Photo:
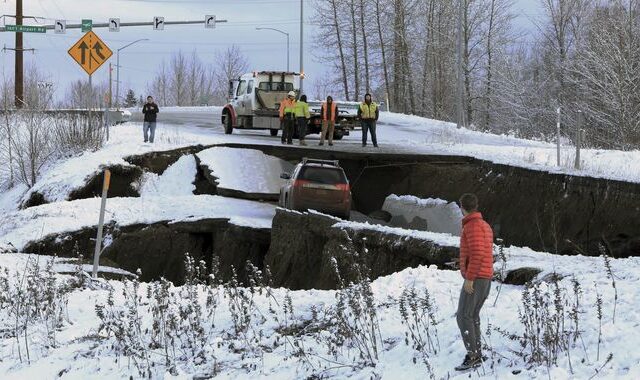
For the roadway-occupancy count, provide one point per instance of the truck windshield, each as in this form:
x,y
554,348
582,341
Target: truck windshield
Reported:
x,y
276,86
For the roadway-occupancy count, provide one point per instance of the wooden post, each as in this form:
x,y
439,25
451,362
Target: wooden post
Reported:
x,y
103,205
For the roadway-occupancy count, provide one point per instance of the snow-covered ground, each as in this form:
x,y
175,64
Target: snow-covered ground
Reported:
x,y
20,227
418,134
434,215
246,170
177,180
82,351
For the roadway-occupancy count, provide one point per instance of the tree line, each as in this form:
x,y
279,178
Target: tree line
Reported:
x,y
185,80
582,56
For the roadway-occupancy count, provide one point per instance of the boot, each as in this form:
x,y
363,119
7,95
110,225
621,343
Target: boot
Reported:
x,y
469,363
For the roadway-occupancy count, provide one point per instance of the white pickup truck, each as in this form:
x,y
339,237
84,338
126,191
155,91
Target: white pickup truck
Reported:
x,y
254,103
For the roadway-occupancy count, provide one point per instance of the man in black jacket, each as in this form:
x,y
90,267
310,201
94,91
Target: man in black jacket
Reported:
x,y
150,111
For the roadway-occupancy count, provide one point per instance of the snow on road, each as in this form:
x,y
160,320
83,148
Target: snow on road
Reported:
x,y
177,180
20,227
406,133
246,170
397,133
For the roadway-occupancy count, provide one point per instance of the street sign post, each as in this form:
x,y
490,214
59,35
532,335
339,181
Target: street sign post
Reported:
x,y
90,52
210,21
103,204
60,27
158,23
114,24
25,29
87,25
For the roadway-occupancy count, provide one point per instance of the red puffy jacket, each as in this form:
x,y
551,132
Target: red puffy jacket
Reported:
x,y
476,248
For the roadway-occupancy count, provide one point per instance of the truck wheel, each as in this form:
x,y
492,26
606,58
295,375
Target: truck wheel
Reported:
x,y
274,132
228,124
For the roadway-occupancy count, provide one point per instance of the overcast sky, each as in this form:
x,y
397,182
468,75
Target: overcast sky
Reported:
x,y
265,49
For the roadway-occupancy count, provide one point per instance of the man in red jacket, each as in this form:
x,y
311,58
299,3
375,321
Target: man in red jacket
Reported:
x,y
476,266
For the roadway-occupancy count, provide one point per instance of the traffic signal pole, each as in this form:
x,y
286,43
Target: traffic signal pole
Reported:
x,y
19,48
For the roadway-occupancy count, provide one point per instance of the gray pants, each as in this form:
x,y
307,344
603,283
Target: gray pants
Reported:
x,y
149,126
468,315
369,125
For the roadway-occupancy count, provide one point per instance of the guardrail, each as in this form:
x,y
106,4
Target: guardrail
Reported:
x,y
114,117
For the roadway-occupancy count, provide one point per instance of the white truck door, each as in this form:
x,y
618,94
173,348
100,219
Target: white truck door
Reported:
x,y
247,97
240,101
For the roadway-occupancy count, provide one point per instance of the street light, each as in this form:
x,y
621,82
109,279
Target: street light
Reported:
x,y
283,32
301,44
118,70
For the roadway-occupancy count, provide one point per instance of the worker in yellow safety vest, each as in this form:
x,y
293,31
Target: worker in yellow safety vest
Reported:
x,y
288,117
329,112
302,115
368,114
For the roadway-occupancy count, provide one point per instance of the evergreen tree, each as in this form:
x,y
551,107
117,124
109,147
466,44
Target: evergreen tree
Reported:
x,y
130,100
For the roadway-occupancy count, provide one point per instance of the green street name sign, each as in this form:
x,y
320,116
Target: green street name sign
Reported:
x,y
25,29
87,25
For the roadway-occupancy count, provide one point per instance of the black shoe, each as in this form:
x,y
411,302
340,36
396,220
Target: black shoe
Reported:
x,y
375,145
321,144
283,142
289,142
469,363
363,145
330,144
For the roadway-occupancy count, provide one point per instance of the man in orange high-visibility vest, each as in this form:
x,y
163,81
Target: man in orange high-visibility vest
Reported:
x,y
329,112
288,117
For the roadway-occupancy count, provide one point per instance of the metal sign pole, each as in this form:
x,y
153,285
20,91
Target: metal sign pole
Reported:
x,y
103,205
90,100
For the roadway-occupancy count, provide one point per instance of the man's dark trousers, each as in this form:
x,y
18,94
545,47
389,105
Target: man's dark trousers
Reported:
x,y
468,315
369,125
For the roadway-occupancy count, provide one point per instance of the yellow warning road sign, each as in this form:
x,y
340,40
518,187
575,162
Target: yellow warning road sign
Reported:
x,y
90,52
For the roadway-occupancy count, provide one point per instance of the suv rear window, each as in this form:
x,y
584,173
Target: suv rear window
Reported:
x,y
328,176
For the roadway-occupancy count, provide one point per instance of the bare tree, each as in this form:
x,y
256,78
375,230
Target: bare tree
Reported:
x,y
383,52
606,74
159,87
6,133
229,65
364,10
354,48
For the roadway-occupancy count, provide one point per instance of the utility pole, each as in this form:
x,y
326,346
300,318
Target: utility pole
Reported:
x,y
460,86
301,45
110,101
19,64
